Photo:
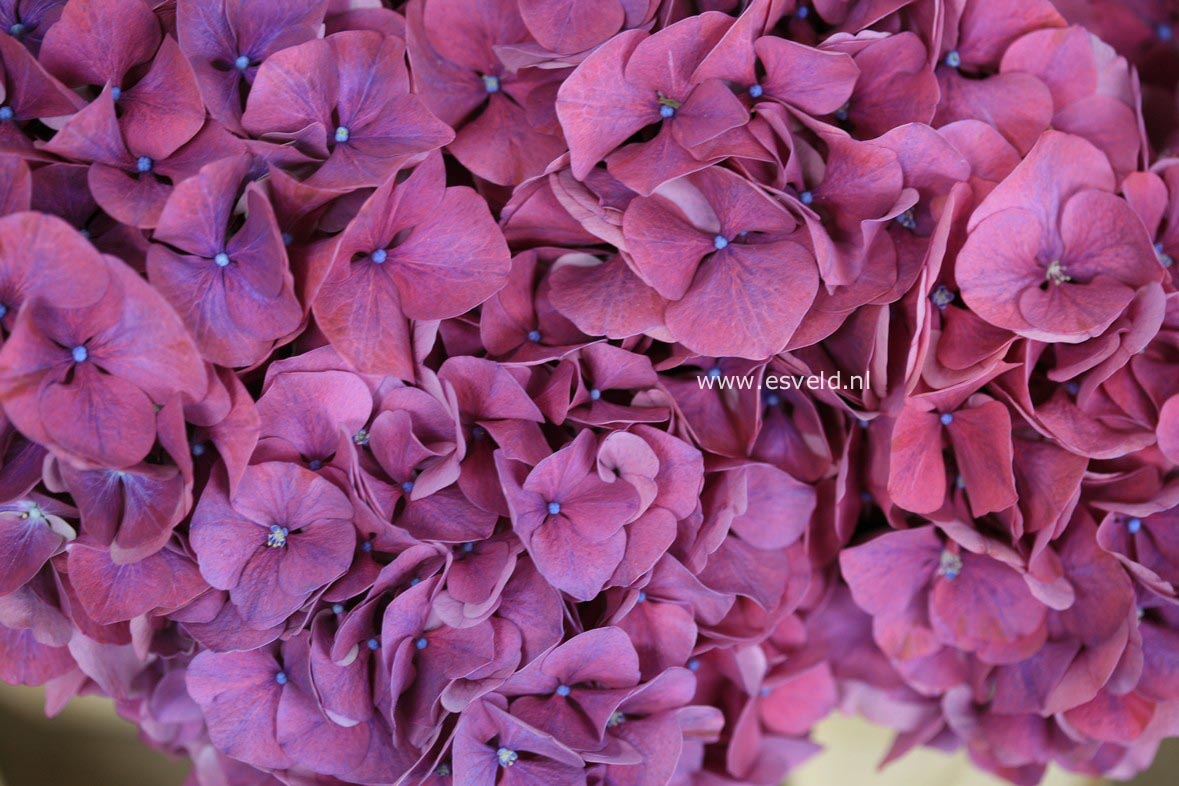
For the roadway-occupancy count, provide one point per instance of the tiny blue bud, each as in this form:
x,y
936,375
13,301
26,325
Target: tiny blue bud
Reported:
x,y
407,487
84,233
946,418
960,482
666,111
953,59
287,238
534,335
773,399
281,678
478,432
1134,525
806,197
116,93
379,256
222,259
693,664
506,757
554,508
595,394
1073,388
468,547
764,691
942,296
16,29
714,372
341,134
720,242
277,537
144,164
198,449
563,690
241,63
803,12
864,423
414,581
337,608
755,91
1164,31
79,354
373,644
6,113
366,547
865,496
491,83
314,464
3,310
642,598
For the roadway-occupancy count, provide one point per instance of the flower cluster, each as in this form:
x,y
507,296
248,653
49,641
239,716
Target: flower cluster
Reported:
x,y
351,419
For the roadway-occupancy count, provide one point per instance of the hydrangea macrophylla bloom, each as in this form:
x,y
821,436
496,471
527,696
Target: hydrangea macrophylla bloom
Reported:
x,y
28,20
119,44
506,128
87,377
130,176
225,44
729,261
232,287
1053,254
285,535
981,443
344,102
493,746
637,80
131,511
27,93
416,250
31,531
571,521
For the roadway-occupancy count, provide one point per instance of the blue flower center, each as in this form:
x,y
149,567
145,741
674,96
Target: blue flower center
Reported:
x,y
1073,388
16,29
666,111
949,565
277,538
1164,31
595,394
763,691
773,399
843,113
554,508
198,449
116,93
1134,526
341,134
942,296
144,164
468,547
281,678
563,690
6,113
3,310
803,12
478,433
414,581
714,372
534,335
907,220
366,547
79,354
314,464
642,598
1163,256
222,259
373,644
337,608
491,83
407,486
720,242
506,757
361,437
953,59
755,91
806,197
241,63
946,418
379,256
287,238
616,719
